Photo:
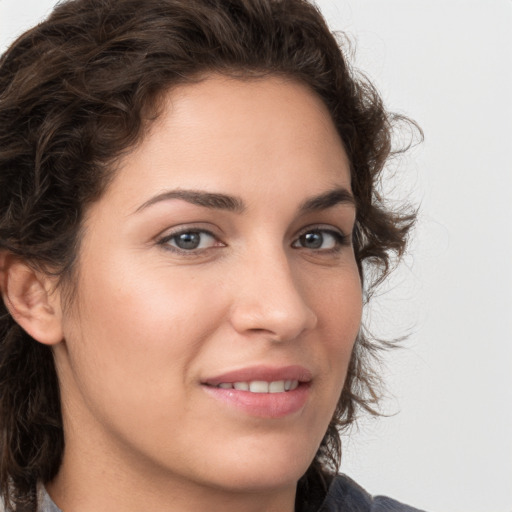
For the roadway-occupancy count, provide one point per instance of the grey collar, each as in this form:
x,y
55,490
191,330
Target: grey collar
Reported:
x,y
44,502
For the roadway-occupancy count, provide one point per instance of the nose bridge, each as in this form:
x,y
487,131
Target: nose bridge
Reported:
x,y
269,297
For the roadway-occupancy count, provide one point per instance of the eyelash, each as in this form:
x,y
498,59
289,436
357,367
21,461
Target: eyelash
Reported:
x,y
340,240
164,241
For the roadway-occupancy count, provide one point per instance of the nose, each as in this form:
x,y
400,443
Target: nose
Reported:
x,y
269,300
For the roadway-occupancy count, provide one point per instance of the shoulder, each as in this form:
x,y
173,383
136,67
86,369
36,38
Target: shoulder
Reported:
x,y
345,495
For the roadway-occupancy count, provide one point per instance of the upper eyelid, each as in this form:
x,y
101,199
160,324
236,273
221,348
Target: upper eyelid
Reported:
x,y
199,227
170,236
321,227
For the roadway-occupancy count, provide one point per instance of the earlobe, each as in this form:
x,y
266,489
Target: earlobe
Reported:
x,y
29,296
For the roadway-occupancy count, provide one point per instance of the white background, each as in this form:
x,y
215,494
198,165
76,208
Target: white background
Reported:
x,y
448,65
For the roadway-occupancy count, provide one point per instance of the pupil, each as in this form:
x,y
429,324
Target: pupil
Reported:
x,y
312,240
188,240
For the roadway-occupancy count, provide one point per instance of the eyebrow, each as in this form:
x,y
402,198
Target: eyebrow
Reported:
x,y
206,199
234,204
328,200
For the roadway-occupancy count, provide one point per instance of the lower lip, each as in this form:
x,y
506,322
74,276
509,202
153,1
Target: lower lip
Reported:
x,y
262,405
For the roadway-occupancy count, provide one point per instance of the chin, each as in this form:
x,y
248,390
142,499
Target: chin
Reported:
x,y
260,481
263,470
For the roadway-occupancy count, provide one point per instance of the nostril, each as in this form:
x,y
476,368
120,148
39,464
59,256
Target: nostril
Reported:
x,y
276,324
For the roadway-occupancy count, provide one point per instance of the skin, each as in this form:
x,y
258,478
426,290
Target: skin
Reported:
x,y
150,323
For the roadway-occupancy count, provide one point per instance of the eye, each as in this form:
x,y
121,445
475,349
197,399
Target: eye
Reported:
x,y
320,239
190,240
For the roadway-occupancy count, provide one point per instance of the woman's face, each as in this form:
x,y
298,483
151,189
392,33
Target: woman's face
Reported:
x,y
218,298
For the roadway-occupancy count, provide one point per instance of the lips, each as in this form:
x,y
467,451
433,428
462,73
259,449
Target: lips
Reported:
x,y
262,391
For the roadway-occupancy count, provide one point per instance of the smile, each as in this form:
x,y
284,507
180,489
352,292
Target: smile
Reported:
x,y
262,391
261,386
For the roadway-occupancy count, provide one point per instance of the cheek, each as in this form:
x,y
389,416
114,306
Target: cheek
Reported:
x,y
138,326
338,303
339,307
130,344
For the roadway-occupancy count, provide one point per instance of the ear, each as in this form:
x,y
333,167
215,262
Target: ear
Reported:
x,y
30,297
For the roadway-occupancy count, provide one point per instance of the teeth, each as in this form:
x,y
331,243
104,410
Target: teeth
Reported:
x,y
276,386
295,385
261,386
258,386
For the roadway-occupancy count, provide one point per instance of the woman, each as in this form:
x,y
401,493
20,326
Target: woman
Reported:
x,y
187,206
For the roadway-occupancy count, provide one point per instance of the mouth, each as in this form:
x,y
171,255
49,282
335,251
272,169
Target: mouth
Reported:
x,y
262,391
261,386
262,378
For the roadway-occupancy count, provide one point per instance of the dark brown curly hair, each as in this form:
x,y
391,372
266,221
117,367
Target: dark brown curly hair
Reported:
x,y
79,90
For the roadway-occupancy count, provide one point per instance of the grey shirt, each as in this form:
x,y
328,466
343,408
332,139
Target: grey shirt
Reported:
x,y
44,502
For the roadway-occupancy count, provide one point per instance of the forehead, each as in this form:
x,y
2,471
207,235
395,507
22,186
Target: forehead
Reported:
x,y
225,133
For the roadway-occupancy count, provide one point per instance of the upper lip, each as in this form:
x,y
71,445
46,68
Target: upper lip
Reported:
x,y
262,372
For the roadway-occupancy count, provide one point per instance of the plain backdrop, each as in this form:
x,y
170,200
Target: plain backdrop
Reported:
x,y
446,445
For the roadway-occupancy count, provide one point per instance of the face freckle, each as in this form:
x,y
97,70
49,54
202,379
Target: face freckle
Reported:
x,y
207,261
